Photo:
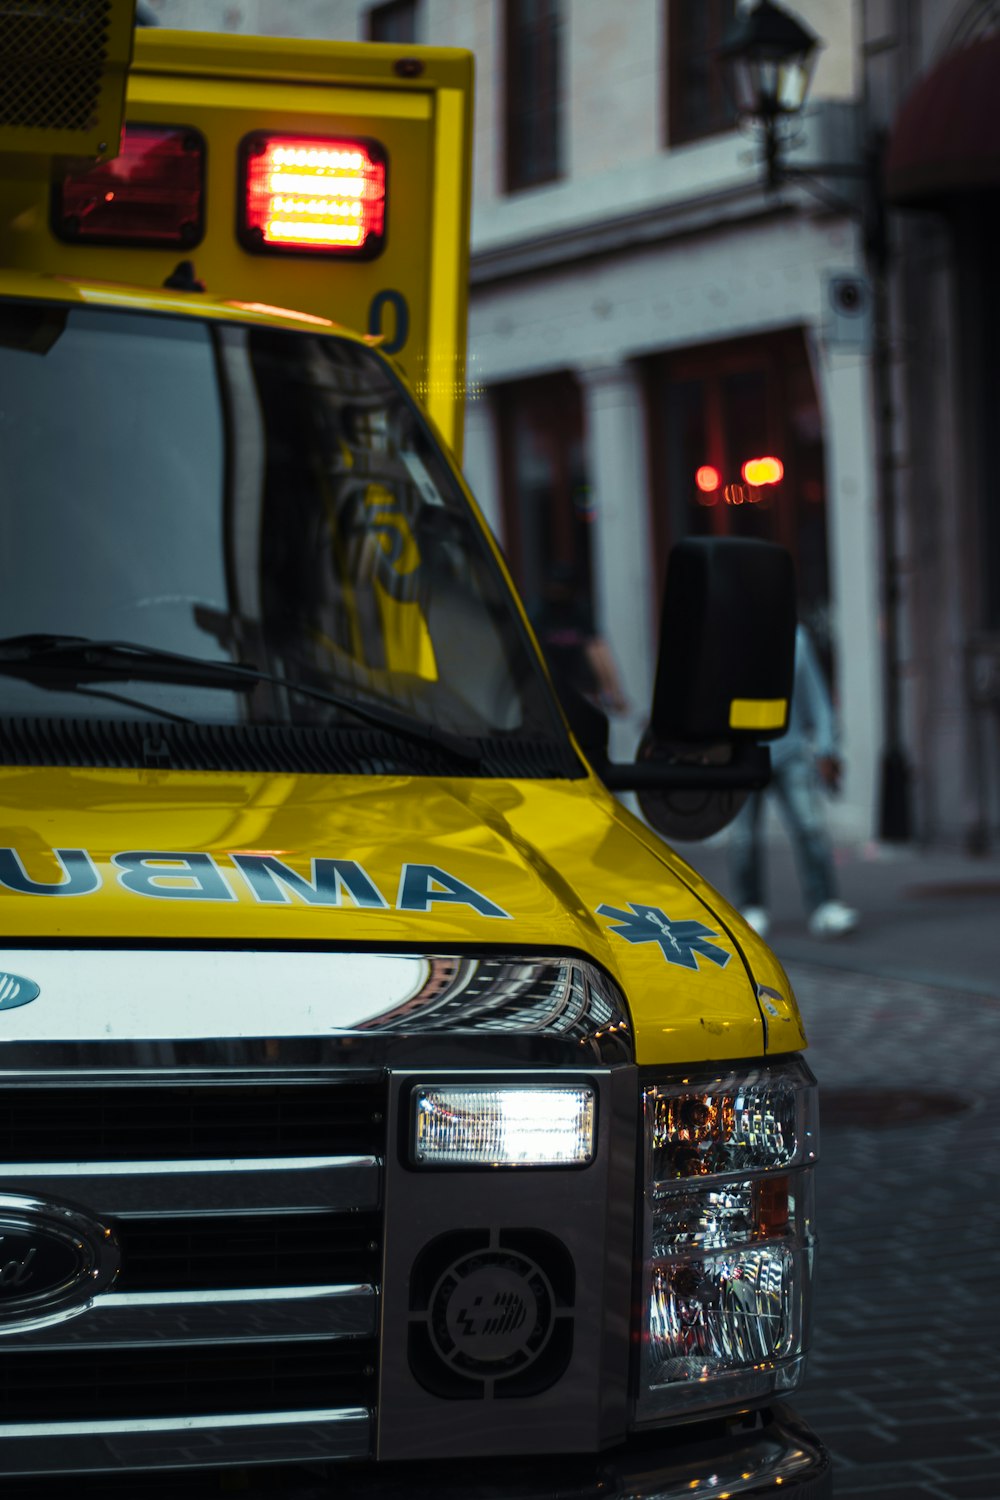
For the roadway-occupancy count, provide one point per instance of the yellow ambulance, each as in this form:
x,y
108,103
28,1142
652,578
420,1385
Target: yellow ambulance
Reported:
x,y
386,1110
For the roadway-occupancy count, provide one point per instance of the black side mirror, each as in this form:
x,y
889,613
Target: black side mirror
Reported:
x,y
723,684
727,643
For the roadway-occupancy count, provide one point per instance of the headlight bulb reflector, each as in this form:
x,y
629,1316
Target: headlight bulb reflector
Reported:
x,y
728,1236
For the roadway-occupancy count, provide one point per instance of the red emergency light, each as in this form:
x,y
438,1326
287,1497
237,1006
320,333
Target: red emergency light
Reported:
x,y
312,195
152,193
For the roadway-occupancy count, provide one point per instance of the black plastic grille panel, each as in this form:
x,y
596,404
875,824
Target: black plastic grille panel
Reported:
x,y
247,1250
172,1122
103,1385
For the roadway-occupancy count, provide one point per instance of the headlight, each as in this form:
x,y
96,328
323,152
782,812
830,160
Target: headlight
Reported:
x,y
505,1125
727,1236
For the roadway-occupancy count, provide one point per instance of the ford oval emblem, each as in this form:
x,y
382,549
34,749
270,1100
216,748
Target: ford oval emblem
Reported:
x,y
54,1260
15,990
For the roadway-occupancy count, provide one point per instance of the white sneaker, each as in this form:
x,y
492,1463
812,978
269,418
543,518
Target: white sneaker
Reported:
x,y
758,919
833,919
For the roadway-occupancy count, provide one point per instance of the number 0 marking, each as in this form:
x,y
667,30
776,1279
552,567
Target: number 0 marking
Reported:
x,y
401,319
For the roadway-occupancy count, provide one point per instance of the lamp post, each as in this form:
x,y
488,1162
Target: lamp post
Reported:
x,y
768,58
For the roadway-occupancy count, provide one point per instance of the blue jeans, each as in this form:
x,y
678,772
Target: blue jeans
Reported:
x,y
796,788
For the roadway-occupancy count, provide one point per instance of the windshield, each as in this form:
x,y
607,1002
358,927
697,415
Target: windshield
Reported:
x,y
244,494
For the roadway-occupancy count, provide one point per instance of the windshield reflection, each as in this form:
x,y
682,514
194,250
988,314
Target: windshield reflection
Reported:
x,y
253,494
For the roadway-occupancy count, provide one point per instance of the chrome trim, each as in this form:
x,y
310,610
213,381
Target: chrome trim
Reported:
x,y
275,1059
113,1069
168,1319
240,1185
87,1261
175,1424
781,1458
230,995
561,996
171,1324
37,1448
155,995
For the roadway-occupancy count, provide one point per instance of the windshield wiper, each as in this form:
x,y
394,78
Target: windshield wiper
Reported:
x,y
53,661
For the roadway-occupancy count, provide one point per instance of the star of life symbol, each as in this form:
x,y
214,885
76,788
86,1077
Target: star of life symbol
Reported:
x,y
682,942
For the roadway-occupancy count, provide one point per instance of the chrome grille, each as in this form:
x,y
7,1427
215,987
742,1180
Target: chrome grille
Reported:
x,y
263,1226
243,1321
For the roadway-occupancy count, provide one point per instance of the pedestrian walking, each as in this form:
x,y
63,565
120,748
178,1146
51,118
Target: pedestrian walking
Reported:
x,y
804,762
578,657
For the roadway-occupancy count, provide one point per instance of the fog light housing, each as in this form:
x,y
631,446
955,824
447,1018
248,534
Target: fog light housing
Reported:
x,y
503,1125
728,1236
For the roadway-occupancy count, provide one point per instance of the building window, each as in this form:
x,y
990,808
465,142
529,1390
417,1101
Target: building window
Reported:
x,y
395,21
533,95
712,412
548,519
546,500
697,102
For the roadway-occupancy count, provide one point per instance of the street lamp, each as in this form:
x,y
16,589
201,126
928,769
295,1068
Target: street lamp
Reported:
x,y
767,59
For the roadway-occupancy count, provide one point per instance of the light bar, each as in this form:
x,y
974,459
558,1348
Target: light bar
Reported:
x,y
151,193
506,1125
309,195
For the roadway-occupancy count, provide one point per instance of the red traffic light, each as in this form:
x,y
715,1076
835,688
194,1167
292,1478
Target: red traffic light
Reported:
x,y
760,471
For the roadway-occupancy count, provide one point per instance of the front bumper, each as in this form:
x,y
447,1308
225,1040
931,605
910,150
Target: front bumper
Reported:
x,y
768,1453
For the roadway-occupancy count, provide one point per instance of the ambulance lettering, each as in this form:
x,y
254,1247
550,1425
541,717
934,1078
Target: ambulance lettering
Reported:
x,y
273,882
420,885
170,875
80,876
395,300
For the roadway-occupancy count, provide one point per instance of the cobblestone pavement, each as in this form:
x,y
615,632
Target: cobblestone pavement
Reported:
x,y
904,1376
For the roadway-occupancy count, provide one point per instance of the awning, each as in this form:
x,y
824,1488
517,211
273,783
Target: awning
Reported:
x,y
946,138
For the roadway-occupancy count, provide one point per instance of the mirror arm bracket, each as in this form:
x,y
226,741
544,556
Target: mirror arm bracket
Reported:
x,y
749,769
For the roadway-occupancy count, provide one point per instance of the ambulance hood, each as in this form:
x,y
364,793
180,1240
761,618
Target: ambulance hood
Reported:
x,y
245,868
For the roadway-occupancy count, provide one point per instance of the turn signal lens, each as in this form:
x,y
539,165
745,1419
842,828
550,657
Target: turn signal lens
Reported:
x,y
758,1122
514,1125
150,194
312,194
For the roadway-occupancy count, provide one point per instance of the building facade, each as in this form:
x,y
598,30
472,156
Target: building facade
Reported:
x,y
932,73
646,321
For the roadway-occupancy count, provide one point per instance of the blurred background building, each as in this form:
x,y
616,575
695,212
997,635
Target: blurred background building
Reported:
x,y
648,319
